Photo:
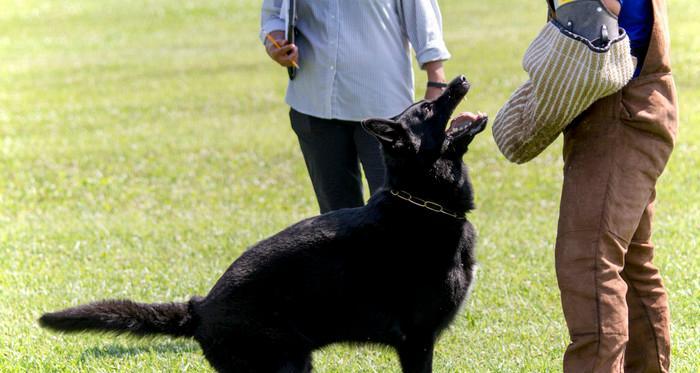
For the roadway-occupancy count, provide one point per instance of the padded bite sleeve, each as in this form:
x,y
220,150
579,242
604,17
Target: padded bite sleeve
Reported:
x,y
567,74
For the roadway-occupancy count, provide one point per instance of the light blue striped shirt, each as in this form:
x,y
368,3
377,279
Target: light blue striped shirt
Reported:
x,y
354,54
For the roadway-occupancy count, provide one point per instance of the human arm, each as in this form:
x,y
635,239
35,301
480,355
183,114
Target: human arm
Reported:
x,y
436,73
422,23
272,24
568,73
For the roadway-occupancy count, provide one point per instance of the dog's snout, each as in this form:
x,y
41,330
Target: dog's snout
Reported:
x,y
459,84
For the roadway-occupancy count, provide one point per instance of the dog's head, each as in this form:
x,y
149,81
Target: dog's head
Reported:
x,y
418,150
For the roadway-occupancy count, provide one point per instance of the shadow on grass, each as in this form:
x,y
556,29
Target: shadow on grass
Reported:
x,y
116,350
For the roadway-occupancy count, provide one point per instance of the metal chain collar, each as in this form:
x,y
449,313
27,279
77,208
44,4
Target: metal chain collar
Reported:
x,y
432,206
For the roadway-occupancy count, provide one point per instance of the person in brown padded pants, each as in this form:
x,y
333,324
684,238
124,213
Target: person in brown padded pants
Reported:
x,y
615,149
613,298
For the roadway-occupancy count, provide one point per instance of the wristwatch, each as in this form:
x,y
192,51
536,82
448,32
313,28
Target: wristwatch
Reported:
x,y
440,85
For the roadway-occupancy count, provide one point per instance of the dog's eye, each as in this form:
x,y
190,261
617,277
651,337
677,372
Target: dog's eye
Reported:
x,y
427,109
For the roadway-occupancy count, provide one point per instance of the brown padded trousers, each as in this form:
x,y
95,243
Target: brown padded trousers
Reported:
x,y
614,301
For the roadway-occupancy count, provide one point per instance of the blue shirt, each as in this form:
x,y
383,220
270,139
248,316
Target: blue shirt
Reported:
x,y
637,18
354,56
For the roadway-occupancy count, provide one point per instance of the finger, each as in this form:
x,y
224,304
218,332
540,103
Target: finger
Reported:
x,y
284,42
288,48
283,50
273,51
291,50
465,117
470,116
293,55
279,59
290,56
283,60
286,62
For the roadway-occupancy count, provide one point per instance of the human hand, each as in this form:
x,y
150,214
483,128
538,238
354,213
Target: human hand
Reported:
x,y
287,53
466,116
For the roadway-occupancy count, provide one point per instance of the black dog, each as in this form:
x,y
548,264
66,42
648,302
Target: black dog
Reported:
x,y
392,272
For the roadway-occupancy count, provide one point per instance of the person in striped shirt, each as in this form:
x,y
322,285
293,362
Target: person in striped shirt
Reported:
x,y
355,63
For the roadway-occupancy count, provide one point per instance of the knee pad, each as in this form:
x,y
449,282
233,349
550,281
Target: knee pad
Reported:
x,y
589,19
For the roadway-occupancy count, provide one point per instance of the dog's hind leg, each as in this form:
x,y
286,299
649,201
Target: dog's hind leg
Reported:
x,y
416,355
223,359
300,364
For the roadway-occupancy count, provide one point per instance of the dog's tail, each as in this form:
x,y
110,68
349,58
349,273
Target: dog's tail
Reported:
x,y
125,316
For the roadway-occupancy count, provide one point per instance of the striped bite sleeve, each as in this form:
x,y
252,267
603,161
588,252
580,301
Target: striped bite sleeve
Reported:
x,y
567,74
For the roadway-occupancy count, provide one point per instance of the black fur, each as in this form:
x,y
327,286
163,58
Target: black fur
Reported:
x,y
390,272
122,316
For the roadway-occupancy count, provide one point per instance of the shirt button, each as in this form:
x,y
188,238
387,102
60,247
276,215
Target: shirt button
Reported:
x,y
332,67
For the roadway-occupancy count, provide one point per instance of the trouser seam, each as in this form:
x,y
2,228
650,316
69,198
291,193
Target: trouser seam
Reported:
x,y
599,242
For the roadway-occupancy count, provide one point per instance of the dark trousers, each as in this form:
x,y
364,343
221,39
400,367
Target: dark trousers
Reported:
x,y
333,150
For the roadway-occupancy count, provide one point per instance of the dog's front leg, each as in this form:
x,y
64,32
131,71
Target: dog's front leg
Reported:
x,y
416,355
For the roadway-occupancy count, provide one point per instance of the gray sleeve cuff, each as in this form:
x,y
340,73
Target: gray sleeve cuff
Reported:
x,y
269,25
435,52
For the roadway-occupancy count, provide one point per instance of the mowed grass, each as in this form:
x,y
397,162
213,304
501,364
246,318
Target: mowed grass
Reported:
x,y
145,144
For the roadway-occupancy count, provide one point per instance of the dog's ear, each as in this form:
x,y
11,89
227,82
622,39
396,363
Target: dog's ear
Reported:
x,y
386,130
459,137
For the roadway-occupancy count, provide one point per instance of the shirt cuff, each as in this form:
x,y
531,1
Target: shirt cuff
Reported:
x,y
271,24
433,53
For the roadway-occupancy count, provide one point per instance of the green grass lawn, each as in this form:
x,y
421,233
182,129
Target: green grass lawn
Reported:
x,y
145,144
